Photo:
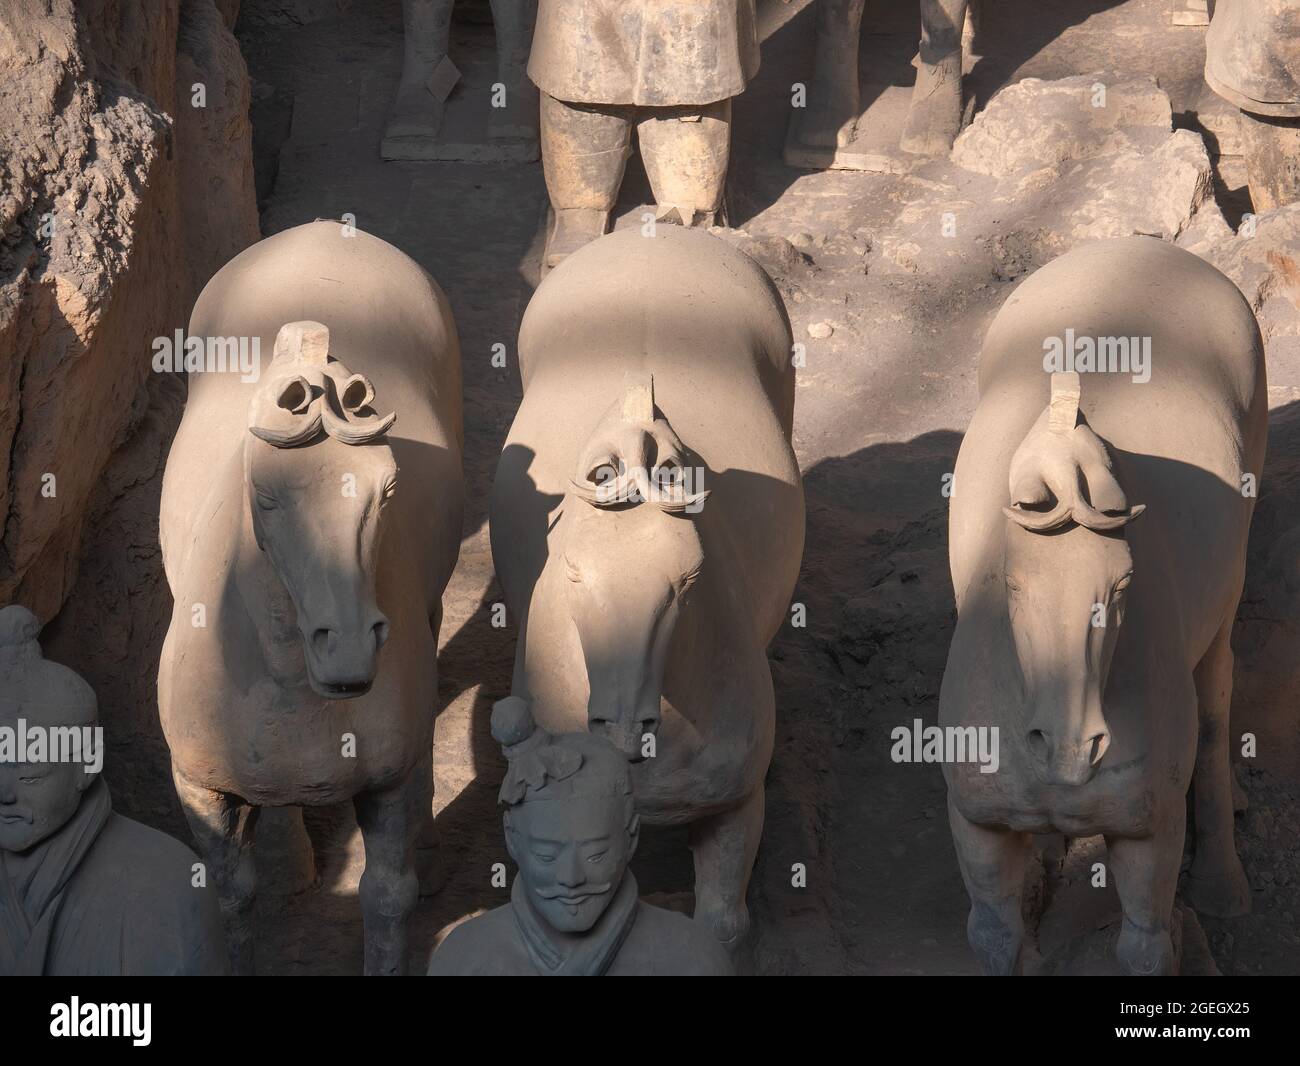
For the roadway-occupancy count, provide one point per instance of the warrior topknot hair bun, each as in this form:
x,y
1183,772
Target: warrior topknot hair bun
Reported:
x,y
19,630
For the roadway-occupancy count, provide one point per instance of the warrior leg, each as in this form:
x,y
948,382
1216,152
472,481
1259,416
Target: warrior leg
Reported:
x,y
934,118
830,116
584,154
426,26
514,21
685,151
1272,149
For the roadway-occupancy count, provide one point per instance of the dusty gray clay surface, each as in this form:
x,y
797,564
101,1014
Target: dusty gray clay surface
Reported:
x,y
657,369
84,892
572,828
1252,60
666,68
1095,611
311,519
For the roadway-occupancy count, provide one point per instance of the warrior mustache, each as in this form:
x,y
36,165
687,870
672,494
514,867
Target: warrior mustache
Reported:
x,y
585,890
21,813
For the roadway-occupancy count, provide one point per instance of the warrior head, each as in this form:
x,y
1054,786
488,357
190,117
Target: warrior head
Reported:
x,y
571,825
40,787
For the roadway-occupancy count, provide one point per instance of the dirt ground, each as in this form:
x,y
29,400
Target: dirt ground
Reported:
x,y
880,411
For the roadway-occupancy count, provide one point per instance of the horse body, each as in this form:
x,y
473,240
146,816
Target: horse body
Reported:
x,y
1096,642
651,619
294,555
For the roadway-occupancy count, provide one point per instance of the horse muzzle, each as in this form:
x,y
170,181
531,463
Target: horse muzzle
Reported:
x,y
628,735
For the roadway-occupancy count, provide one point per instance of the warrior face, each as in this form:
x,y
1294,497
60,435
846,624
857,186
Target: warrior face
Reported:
x,y
36,799
572,854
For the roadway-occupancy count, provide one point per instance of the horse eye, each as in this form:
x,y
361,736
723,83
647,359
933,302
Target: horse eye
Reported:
x,y
265,502
572,572
390,490
1123,583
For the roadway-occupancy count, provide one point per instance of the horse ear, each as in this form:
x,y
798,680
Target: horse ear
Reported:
x,y
355,393
354,422
303,342
295,394
285,411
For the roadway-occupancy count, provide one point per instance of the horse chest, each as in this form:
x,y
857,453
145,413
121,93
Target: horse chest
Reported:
x,y
1121,799
253,737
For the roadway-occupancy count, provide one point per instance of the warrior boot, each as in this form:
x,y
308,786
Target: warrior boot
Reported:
x,y
584,154
426,29
685,151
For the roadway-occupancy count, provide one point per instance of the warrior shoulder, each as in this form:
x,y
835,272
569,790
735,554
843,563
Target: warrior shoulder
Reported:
x,y
477,944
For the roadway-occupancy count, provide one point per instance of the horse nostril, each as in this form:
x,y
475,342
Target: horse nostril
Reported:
x,y
1037,741
322,642
1097,749
381,634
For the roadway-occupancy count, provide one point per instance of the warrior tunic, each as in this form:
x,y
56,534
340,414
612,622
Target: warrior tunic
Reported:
x,y
651,53
107,897
1252,56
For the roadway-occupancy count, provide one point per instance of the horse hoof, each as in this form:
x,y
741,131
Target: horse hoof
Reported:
x,y
1223,893
1144,954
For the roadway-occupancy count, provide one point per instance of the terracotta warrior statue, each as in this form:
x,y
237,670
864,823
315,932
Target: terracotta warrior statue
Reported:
x,y
1252,60
669,68
83,891
572,828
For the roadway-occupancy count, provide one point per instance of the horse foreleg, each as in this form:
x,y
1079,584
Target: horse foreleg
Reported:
x,y
1216,884
390,821
428,843
934,118
992,864
724,846
223,827
1146,876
